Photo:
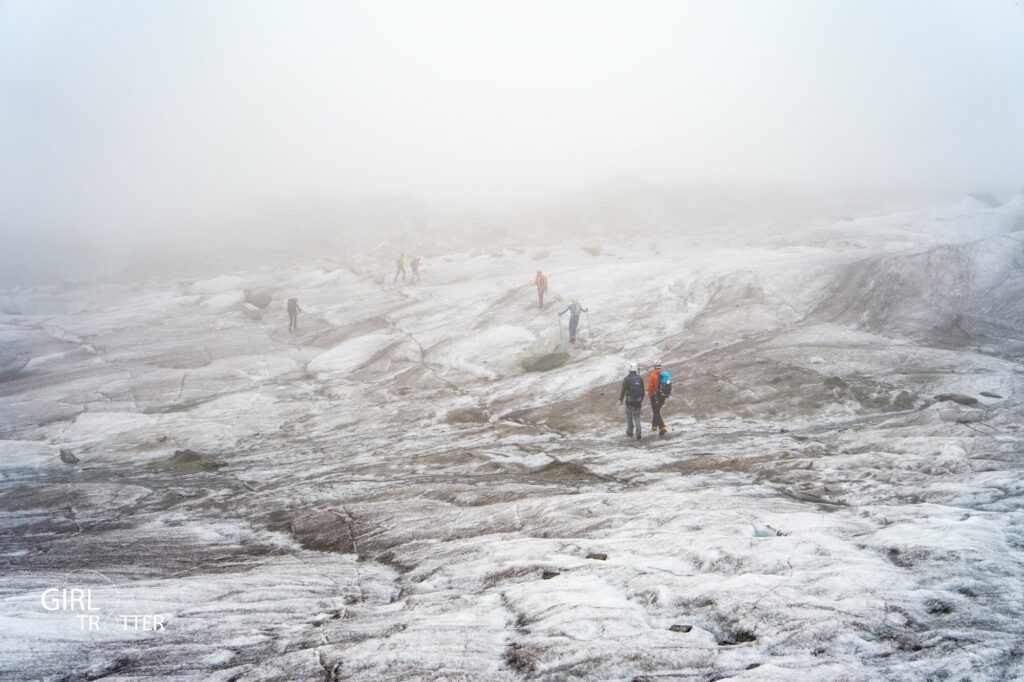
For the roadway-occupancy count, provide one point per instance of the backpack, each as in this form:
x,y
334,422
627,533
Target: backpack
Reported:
x,y
634,388
665,384
542,282
576,308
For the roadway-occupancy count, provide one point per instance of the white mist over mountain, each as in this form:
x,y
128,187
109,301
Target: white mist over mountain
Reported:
x,y
125,125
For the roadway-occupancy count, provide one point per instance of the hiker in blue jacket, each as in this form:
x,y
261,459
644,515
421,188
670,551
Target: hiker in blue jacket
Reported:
x,y
575,308
633,394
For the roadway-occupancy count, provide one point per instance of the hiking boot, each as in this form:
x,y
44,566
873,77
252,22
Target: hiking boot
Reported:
x,y
662,431
629,434
638,435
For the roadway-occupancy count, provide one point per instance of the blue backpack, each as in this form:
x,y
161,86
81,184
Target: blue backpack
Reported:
x,y
665,384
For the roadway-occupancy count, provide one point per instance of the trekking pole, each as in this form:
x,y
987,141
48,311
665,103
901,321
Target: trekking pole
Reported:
x,y
589,333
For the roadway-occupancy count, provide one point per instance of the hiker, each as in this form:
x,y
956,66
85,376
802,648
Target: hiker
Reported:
x,y
399,268
540,281
574,309
293,314
659,387
633,394
415,264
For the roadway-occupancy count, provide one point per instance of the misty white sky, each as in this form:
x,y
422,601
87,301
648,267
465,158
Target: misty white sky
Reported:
x,y
147,114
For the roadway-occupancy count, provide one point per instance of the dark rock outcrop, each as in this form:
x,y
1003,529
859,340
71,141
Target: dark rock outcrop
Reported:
x,y
542,362
260,299
958,398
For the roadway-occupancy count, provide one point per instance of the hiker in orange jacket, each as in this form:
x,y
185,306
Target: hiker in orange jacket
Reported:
x,y
659,387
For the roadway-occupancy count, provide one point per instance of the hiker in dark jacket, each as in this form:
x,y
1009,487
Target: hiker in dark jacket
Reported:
x,y
293,314
633,394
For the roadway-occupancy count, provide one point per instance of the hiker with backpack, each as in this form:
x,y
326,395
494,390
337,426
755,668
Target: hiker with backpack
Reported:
x,y
659,387
293,314
633,394
540,281
574,308
415,265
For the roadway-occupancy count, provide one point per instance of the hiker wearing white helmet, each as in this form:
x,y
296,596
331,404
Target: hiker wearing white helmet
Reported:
x,y
633,394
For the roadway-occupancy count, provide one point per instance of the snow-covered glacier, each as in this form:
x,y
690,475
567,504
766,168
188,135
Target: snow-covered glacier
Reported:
x,y
387,494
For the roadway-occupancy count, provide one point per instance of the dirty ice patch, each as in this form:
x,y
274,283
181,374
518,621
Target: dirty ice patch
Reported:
x,y
831,335
349,355
488,354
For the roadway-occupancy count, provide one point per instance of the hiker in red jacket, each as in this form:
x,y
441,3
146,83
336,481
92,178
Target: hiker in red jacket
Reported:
x,y
541,282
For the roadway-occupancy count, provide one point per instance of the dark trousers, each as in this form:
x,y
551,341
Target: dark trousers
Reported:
x,y
399,271
293,320
632,419
656,421
540,296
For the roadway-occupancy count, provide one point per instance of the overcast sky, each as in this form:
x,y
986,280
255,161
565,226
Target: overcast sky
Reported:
x,y
143,114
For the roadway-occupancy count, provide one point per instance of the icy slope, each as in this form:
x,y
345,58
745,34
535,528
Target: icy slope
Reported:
x,y
948,294
387,494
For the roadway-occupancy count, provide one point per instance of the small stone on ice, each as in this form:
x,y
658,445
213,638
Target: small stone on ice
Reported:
x,y
958,398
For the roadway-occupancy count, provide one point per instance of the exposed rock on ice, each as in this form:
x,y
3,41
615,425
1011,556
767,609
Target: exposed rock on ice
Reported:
x,y
260,299
187,461
544,361
959,398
